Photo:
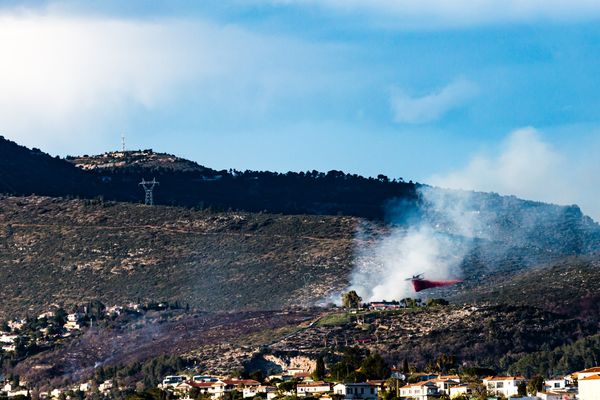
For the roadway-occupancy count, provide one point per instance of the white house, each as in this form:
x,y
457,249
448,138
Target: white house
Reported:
x,y
589,387
312,388
421,391
216,390
444,384
362,391
555,384
503,385
8,339
550,395
252,391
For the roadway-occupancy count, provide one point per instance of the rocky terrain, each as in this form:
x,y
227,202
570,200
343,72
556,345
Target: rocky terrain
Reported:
x,y
71,251
218,342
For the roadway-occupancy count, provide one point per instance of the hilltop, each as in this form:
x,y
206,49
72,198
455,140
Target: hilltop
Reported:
x,y
143,159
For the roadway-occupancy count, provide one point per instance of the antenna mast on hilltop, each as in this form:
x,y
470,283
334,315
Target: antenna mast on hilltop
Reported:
x,y
123,142
149,188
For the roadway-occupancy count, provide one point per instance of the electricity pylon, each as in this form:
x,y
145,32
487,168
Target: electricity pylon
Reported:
x,y
149,188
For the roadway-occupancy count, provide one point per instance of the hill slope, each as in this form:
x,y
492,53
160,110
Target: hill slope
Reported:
x,y
65,251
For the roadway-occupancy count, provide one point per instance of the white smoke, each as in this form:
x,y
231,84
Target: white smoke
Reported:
x,y
530,167
435,246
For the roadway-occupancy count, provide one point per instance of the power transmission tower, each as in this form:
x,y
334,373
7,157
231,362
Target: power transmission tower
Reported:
x,y
149,188
123,143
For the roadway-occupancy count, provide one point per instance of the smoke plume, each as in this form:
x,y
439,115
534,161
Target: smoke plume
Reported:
x,y
433,243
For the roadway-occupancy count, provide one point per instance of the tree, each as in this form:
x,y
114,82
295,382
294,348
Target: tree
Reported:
x,y
351,299
522,389
405,369
536,384
375,367
319,372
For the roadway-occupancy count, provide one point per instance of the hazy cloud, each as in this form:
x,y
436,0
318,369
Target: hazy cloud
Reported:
x,y
529,167
66,77
432,106
428,14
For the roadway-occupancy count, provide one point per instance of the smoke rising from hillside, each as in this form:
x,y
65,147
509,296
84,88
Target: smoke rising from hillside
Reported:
x,y
434,244
504,231
528,166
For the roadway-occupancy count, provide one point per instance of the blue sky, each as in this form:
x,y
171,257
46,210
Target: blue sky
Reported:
x,y
488,95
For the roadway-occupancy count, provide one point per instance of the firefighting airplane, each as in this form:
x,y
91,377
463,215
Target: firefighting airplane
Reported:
x,y
421,284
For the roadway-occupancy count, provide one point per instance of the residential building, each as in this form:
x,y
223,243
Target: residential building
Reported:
x,y
312,388
589,387
460,390
420,391
444,384
554,384
503,385
356,391
586,373
549,395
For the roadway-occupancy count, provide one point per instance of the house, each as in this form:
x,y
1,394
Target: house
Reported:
x,y
550,395
105,386
9,348
455,378
586,373
73,321
8,339
312,388
444,384
503,385
384,305
173,380
421,391
554,384
22,392
294,371
85,387
16,324
253,391
303,376
460,390
204,378
350,391
239,384
397,374
114,310
215,390
589,387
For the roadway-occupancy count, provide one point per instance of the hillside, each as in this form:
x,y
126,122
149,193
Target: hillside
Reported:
x,y
115,176
63,251
568,286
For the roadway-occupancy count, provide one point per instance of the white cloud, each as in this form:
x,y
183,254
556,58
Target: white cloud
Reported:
x,y
531,168
66,78
433,106
427,14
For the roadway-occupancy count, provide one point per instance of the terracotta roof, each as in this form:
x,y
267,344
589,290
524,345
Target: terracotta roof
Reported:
x,y
201,385
313,384
239,382
591,378
504,378
593,369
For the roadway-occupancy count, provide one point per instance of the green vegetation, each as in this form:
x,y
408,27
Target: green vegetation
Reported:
x,y
335,319
357,365
351,299
583,353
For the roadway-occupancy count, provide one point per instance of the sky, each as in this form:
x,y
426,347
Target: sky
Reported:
x,y
487,95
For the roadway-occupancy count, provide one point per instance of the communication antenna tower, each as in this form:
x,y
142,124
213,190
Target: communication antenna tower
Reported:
x,y
148,187
123,143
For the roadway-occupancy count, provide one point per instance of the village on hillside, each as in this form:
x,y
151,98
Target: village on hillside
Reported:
x,y
355,377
